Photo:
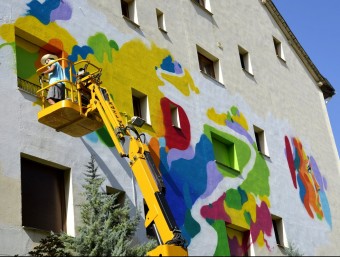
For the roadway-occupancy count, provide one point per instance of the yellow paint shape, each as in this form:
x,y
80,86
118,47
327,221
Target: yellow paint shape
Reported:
x,y
237,216
7,32
217,118
260,239
183,83
241,120
40,34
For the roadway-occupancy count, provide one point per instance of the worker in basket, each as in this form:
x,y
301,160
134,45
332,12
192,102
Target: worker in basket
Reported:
x,y
55,73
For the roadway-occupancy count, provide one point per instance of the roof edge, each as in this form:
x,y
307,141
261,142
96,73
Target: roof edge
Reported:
x,y
325,86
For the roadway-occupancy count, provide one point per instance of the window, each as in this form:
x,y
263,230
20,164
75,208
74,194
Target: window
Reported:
x,y
200,2
261,141
120,194
278,49
245,60
129,10
29,47
206,65
160,20
209,64
175,116
44,189
205,4
279,231
238,239
225,153
141,106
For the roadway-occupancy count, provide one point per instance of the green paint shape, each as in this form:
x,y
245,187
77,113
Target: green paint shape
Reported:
x,y
257,180
247,217
101,46
233,199
222,247
105,137
25,63
241,151
192,227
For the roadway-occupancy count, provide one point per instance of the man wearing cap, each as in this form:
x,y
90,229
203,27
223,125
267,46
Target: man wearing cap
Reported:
x,y
55,73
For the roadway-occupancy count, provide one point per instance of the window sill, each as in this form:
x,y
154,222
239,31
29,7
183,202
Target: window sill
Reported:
x,y
163,30
281,246
281,59
226,166
247,72
263,154
131,21
210,77
176,127
36,229
202,7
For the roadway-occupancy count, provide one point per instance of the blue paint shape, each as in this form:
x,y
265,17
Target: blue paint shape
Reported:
x,y
42,11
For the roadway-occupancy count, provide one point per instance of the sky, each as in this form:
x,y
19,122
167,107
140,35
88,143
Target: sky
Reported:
x,y
316,25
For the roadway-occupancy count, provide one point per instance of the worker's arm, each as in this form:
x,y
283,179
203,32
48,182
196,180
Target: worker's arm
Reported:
x,y
49,70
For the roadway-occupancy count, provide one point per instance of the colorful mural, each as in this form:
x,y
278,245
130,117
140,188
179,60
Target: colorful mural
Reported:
x,y
228,204
307,178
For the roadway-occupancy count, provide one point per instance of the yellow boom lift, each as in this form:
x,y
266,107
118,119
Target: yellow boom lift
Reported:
x,y
88,108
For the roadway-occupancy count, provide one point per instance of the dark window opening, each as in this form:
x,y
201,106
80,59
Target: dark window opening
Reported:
x,y
206,65
43,196
137,110
258,142
200,2
125,8
242,61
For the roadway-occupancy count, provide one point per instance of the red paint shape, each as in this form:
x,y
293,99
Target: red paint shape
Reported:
x,y
216,211
178,138
290,160
263,223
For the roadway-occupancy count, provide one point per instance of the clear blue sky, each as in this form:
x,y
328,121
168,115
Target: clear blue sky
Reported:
x,y
316,25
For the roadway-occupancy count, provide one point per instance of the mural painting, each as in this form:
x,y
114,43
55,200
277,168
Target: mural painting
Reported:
x,y
308,180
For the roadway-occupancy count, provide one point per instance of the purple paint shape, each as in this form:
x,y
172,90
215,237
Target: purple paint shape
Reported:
x,y
239,129
213,178
317,173
63,12
175,154
178,68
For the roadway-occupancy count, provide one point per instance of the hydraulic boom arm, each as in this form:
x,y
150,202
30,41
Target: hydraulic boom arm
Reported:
x,y
147,176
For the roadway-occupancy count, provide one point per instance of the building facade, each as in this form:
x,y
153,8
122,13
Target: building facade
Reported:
x,y
235,119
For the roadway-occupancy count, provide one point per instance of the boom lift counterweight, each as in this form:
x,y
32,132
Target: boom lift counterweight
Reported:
x,y
88,109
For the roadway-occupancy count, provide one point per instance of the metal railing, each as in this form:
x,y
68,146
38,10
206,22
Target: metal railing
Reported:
x,y
28,86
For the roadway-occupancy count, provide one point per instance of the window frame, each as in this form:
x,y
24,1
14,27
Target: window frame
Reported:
x,y
206,65
57,189
279,49
160,20
204,4
245,60
175,118
140,101
129,11
205,58
279,231
261,141
121,195
245,233
228,158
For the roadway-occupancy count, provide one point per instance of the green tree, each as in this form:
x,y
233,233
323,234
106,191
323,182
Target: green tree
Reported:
x,y
291,250
51,245
106,229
